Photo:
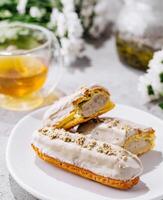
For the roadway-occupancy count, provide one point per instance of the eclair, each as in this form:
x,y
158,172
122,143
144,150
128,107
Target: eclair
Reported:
x,y
98,161
79,107
133,137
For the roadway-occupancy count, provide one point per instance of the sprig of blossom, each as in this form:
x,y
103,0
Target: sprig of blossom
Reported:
x,y
68,29
70,20
93,15
151,84
21,7
100,19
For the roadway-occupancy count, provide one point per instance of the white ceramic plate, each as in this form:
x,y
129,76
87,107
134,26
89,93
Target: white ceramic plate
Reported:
x,y
47,182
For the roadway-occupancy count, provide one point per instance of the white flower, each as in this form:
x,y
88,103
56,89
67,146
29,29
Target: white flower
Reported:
x,y
69,27
98,26
69,30
74,26
36,12
71,48
100,19
156,71
94,16
153,79
157,61
101,7
145,88
157,84
21,7
68,6
87,10
61,25
54,17
58,20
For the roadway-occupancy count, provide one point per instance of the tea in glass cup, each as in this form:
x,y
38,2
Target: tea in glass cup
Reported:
x,y
21,75
27,56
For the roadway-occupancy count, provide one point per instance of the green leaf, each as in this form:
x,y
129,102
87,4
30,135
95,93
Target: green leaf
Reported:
x,y
161,77
150,90
7,2
161,105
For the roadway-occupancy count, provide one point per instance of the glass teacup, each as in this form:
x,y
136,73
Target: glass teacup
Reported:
x,y
30,65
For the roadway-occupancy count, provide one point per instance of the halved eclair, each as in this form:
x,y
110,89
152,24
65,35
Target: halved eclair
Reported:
x,y
107,164
134,137
85,104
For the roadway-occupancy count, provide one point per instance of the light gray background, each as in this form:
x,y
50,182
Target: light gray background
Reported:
x,y
99,65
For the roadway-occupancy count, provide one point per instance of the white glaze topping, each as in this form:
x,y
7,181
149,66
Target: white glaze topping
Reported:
x,y
58,111
64,106
98,157
112,130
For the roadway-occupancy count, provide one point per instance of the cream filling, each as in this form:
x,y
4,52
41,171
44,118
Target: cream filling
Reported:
x,y
112,166
96,103
138,147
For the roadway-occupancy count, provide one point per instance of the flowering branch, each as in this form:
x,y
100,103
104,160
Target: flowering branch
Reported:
x,y
70,20
151,84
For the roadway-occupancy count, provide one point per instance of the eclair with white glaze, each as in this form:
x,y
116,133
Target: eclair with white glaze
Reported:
x,y
136,138
107,164
81,106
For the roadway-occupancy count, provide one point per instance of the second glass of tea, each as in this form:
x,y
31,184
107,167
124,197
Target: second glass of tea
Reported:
x,y
30,65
